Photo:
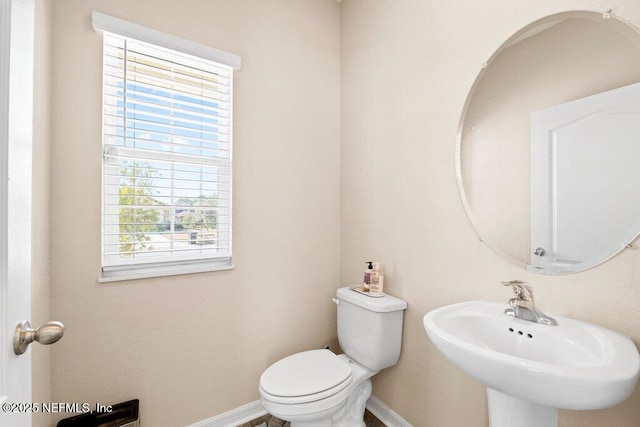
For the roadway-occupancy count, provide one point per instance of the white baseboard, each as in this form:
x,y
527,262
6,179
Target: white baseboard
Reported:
x,y
235,417
253,410
385,414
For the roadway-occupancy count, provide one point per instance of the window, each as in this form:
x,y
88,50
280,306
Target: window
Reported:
x,y
167,125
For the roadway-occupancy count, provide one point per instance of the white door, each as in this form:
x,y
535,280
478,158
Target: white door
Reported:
x,y
585,181
16,99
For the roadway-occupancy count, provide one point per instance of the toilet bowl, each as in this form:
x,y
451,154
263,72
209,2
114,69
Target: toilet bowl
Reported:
x,y
318,388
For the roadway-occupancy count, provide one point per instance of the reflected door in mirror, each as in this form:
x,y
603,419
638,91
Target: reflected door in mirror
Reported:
x,y
585,181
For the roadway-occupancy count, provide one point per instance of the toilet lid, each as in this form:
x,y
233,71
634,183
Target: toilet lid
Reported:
x,y
305,373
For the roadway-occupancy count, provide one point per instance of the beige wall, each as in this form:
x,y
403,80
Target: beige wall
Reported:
x,y
40,274
193,346
406,69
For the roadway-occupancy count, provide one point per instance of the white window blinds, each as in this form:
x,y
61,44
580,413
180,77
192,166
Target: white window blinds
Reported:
x,y
167,159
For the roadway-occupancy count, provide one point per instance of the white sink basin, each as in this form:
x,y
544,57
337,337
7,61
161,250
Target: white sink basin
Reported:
x,y
574,365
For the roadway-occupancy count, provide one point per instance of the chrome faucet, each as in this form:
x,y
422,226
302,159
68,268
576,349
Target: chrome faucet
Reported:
x,y
522,305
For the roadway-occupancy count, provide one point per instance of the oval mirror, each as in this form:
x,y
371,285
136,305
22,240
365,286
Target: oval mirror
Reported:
x,y
549,144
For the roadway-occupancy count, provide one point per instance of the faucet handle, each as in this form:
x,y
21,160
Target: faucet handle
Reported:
x,y
522,290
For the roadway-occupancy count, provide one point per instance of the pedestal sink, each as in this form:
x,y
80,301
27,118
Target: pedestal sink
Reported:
x,y
531,369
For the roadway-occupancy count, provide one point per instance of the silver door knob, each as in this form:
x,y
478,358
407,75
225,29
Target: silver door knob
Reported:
x,y
48,333
539,252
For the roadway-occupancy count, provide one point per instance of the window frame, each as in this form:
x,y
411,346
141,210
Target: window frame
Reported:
x,y
116,269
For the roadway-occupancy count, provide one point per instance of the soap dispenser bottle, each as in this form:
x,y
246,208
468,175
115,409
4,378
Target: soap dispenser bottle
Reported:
x,y
367,275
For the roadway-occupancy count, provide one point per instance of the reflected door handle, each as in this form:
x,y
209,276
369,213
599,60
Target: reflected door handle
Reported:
x,y
539,252
48,333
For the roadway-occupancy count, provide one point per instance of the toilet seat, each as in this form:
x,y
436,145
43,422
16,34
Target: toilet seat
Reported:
x,y
305,377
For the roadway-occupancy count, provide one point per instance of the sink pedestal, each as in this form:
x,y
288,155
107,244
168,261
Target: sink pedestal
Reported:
x,y
508,411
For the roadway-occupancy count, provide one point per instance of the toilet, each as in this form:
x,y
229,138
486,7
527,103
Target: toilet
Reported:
x,y
318,388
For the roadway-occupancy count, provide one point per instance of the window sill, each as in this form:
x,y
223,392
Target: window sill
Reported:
x,y
160,271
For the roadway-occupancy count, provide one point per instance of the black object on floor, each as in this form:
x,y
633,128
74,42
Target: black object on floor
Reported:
x,y
121,415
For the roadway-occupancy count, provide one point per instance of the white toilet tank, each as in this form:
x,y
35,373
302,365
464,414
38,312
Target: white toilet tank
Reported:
x,y
370,328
